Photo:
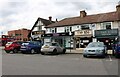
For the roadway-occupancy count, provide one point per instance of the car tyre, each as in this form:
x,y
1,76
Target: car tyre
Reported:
x,y
64,50
32,51
85,56
7,51
42,53
15,51
55,51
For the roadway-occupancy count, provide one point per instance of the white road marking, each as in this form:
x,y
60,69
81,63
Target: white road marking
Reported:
x,y
110,59
28,55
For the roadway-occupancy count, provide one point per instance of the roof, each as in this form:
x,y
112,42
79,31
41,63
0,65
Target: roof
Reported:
x,y
44,21
103,17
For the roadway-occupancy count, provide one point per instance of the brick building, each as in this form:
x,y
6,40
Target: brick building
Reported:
x,y
20,34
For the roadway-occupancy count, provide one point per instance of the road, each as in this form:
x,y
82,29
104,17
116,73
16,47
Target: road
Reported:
x,y
62,64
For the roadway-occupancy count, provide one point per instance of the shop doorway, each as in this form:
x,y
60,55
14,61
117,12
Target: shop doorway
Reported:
x,y
82,42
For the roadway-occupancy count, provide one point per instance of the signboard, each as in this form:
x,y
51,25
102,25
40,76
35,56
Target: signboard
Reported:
x,y
55,34
83,32
104,33
37,32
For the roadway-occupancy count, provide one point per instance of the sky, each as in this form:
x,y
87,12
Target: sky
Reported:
x,y
17,14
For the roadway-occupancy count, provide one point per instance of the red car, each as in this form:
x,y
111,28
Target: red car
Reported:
x,y
12,47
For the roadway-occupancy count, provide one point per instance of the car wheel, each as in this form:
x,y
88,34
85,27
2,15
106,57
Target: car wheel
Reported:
x,y
64,50
32,51
42,53
7,51
15,51
55,51
85,56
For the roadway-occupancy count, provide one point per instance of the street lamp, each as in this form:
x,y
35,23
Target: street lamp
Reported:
x,y
70,33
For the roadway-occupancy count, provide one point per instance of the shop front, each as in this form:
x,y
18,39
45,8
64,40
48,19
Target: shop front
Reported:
x,y
37,36
82,38
64,39
109,37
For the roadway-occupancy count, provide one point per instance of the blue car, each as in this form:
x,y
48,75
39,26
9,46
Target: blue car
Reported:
x,y
31,47
117,49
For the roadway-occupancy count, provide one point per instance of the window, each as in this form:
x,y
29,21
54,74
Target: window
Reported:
x,y
106,25
53,30
68,29
85,26
50,30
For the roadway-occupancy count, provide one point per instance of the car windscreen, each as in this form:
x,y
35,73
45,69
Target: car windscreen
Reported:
x,y
54,44
8,43
26,43
51,44
95,44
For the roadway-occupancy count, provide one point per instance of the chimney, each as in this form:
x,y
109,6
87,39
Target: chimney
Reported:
x,y
118,10
50,18
56,20
83,13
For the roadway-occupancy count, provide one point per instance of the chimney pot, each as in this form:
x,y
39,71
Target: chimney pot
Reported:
x,y
56,20
118,8
50,18
83,13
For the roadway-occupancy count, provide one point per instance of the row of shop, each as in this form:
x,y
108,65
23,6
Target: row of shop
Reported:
x,y
81,38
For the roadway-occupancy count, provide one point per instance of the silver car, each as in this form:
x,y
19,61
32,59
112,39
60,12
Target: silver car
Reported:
x,y
95,49
53,48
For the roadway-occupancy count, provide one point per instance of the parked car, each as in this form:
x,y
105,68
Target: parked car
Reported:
x,y
117,49
31,47
13,46
95,49
53,48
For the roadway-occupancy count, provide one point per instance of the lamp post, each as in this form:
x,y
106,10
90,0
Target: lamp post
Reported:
x,y
70,39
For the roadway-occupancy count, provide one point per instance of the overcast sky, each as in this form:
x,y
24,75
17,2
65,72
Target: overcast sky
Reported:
x,y
17,14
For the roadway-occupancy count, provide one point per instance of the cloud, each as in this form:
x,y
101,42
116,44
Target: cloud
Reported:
x,y
16,14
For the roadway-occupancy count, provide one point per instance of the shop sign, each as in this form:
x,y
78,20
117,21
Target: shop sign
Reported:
x,y
104,33
83,32
85,41
55,34
37,32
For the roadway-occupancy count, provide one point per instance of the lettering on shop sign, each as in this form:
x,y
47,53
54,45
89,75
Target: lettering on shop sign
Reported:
x,y
113,32
37,32
83,32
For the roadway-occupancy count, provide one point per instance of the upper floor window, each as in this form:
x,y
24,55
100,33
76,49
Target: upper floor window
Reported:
x,y
53,30
85,26
106,25
68,29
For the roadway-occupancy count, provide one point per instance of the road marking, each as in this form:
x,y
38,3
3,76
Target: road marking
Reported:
x,y
28,55
49,56
110,59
